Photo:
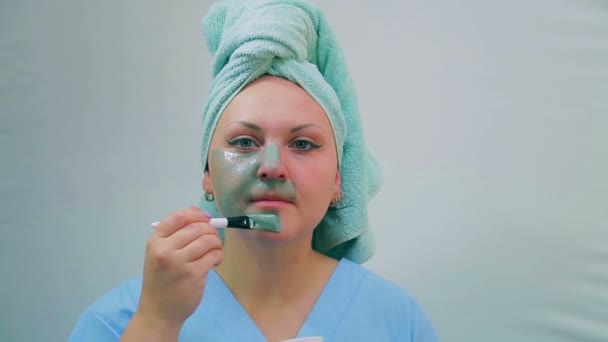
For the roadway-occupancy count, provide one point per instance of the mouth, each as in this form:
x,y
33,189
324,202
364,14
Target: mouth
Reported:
x,y
271,201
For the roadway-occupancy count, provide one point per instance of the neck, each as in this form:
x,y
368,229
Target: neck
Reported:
x,y
269,272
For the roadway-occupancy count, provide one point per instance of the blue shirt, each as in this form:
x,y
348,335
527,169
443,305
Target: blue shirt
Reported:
x,y
355,305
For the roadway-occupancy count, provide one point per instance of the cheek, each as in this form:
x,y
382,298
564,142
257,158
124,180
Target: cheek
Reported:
x,y
317,181
231,175
315,186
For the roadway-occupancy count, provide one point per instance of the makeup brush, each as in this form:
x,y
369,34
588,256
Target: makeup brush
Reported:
x,y
265,222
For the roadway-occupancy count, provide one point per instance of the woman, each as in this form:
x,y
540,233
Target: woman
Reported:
x,y
282,135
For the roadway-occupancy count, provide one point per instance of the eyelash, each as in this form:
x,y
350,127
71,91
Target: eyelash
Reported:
x,y
310,145
236,143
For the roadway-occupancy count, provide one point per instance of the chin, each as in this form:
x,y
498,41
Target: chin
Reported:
x,y
288,233
292,227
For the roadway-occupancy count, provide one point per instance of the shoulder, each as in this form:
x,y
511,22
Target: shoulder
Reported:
x,y
109,315
389,304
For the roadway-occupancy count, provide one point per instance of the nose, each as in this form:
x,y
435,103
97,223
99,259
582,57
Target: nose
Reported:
x,y
271,165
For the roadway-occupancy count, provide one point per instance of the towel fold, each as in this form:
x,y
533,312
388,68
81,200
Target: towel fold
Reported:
x,y
292,39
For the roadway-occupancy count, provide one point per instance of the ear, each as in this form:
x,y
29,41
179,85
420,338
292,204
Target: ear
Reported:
x,y
338,182
207,184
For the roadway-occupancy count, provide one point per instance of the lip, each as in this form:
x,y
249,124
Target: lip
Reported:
x,y
283,196
270,204
277,198
271,201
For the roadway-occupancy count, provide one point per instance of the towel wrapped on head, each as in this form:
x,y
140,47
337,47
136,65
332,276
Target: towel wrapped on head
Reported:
x,y
291,39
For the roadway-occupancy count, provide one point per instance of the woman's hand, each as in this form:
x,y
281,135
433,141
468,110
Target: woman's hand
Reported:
x,y
179,255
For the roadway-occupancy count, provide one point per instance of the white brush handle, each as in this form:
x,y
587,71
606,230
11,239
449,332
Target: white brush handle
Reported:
x,y
217,222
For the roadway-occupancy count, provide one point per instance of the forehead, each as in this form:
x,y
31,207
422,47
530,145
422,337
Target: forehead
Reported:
x,y
275,99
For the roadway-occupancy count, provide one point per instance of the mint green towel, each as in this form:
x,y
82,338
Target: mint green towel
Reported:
x,y
292,39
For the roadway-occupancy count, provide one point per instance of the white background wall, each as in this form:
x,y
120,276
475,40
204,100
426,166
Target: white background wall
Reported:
x,y
490,118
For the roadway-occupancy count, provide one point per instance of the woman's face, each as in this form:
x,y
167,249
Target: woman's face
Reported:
x,y
273,151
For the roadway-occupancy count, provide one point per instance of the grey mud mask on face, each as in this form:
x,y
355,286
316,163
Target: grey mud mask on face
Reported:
x,y
236,182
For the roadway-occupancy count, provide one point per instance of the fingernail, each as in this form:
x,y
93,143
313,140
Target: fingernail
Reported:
x,y
208,214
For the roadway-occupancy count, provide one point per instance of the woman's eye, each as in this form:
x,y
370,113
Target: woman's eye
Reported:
x,y
304,145
243,143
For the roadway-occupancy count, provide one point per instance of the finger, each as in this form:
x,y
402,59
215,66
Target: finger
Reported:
x,y
200,246
208,261
178,219
208,214
189,233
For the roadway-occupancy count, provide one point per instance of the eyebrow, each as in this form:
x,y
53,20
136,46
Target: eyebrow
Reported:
x,y
293,130
301,127
248,125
